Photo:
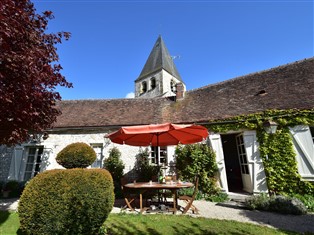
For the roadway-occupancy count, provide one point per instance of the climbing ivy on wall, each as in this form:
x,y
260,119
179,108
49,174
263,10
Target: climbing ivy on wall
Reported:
x,y
276,150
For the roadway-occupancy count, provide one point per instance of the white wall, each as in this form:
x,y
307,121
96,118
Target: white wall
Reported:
x,y
59,141
56,142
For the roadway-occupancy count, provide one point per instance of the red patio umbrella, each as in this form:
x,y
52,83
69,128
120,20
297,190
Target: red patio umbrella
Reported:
x,y
159,135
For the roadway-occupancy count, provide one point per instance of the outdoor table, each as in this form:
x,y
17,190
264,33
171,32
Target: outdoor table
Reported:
x,y
143,187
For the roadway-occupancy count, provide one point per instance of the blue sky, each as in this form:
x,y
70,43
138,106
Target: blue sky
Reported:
x,y
216,40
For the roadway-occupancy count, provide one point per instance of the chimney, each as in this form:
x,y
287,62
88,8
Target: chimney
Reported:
x,y
179,91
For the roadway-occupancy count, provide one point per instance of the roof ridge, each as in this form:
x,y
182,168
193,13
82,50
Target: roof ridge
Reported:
x,y
253,73
110,99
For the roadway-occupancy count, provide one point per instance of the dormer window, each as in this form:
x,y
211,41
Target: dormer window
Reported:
x,y
144,87
152,83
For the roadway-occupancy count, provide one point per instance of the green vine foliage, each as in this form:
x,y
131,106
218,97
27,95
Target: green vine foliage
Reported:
x,y
276,150
198,160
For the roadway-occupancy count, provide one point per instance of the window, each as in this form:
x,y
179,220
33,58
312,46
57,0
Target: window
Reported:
x,y
154,155
242,155
152,83
144,87
172,85
33,161
98,148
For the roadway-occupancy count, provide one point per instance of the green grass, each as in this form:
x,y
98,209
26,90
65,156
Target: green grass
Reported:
x,y
169,224
156,225
9,223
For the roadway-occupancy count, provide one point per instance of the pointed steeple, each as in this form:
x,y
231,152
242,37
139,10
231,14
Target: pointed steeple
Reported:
x,y
159,58
159,77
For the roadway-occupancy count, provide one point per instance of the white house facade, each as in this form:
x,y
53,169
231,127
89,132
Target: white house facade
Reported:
x,y
158,100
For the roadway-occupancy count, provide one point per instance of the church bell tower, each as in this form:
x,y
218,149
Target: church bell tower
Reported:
x,y
159,77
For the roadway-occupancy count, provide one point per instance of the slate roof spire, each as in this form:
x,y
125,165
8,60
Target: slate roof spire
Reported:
x,y
159,58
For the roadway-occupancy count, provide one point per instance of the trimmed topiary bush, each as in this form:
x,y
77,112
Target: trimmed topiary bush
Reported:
x,y
76,155
67,202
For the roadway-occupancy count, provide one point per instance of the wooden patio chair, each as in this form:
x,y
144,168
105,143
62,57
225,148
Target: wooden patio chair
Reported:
x,y
128,194
189,200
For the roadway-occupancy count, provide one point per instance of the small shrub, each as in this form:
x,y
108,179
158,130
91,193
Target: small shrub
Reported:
x,y
74,201
76,155
144,170
189,192
12,187
280,204
287,205
258,202
115,166
308,201
218,197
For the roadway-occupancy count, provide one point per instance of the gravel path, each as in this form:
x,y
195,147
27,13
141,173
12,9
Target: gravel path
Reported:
x,y
231,211
297,223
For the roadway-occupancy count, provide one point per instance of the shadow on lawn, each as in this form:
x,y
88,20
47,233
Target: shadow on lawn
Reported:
x,y
297,223
120,227
4,215
189,230
19,232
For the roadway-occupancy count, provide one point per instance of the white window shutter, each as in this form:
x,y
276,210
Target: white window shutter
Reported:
x,y
215,143
16,163
304,147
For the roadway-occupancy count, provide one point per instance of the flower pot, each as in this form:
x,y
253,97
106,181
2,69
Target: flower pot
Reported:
x,y
5,194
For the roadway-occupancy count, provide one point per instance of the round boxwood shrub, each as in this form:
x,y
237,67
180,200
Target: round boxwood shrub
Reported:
x,y
67,202
76,155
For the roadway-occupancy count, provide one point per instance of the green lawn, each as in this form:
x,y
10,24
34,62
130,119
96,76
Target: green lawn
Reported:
x,y
156,225
9,223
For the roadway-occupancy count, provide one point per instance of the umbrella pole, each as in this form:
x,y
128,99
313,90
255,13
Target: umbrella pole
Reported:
x,y
158,150
158,155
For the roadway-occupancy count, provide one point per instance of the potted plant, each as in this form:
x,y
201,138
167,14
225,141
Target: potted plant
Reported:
x,y
5,191
9,187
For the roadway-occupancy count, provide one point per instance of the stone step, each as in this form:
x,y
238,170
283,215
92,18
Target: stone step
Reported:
x,y
238,197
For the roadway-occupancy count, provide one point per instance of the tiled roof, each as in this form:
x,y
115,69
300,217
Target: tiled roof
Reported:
x,y
159,58
285,87
112,112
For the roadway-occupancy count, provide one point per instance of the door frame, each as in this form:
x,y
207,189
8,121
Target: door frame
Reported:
x,y
256,168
